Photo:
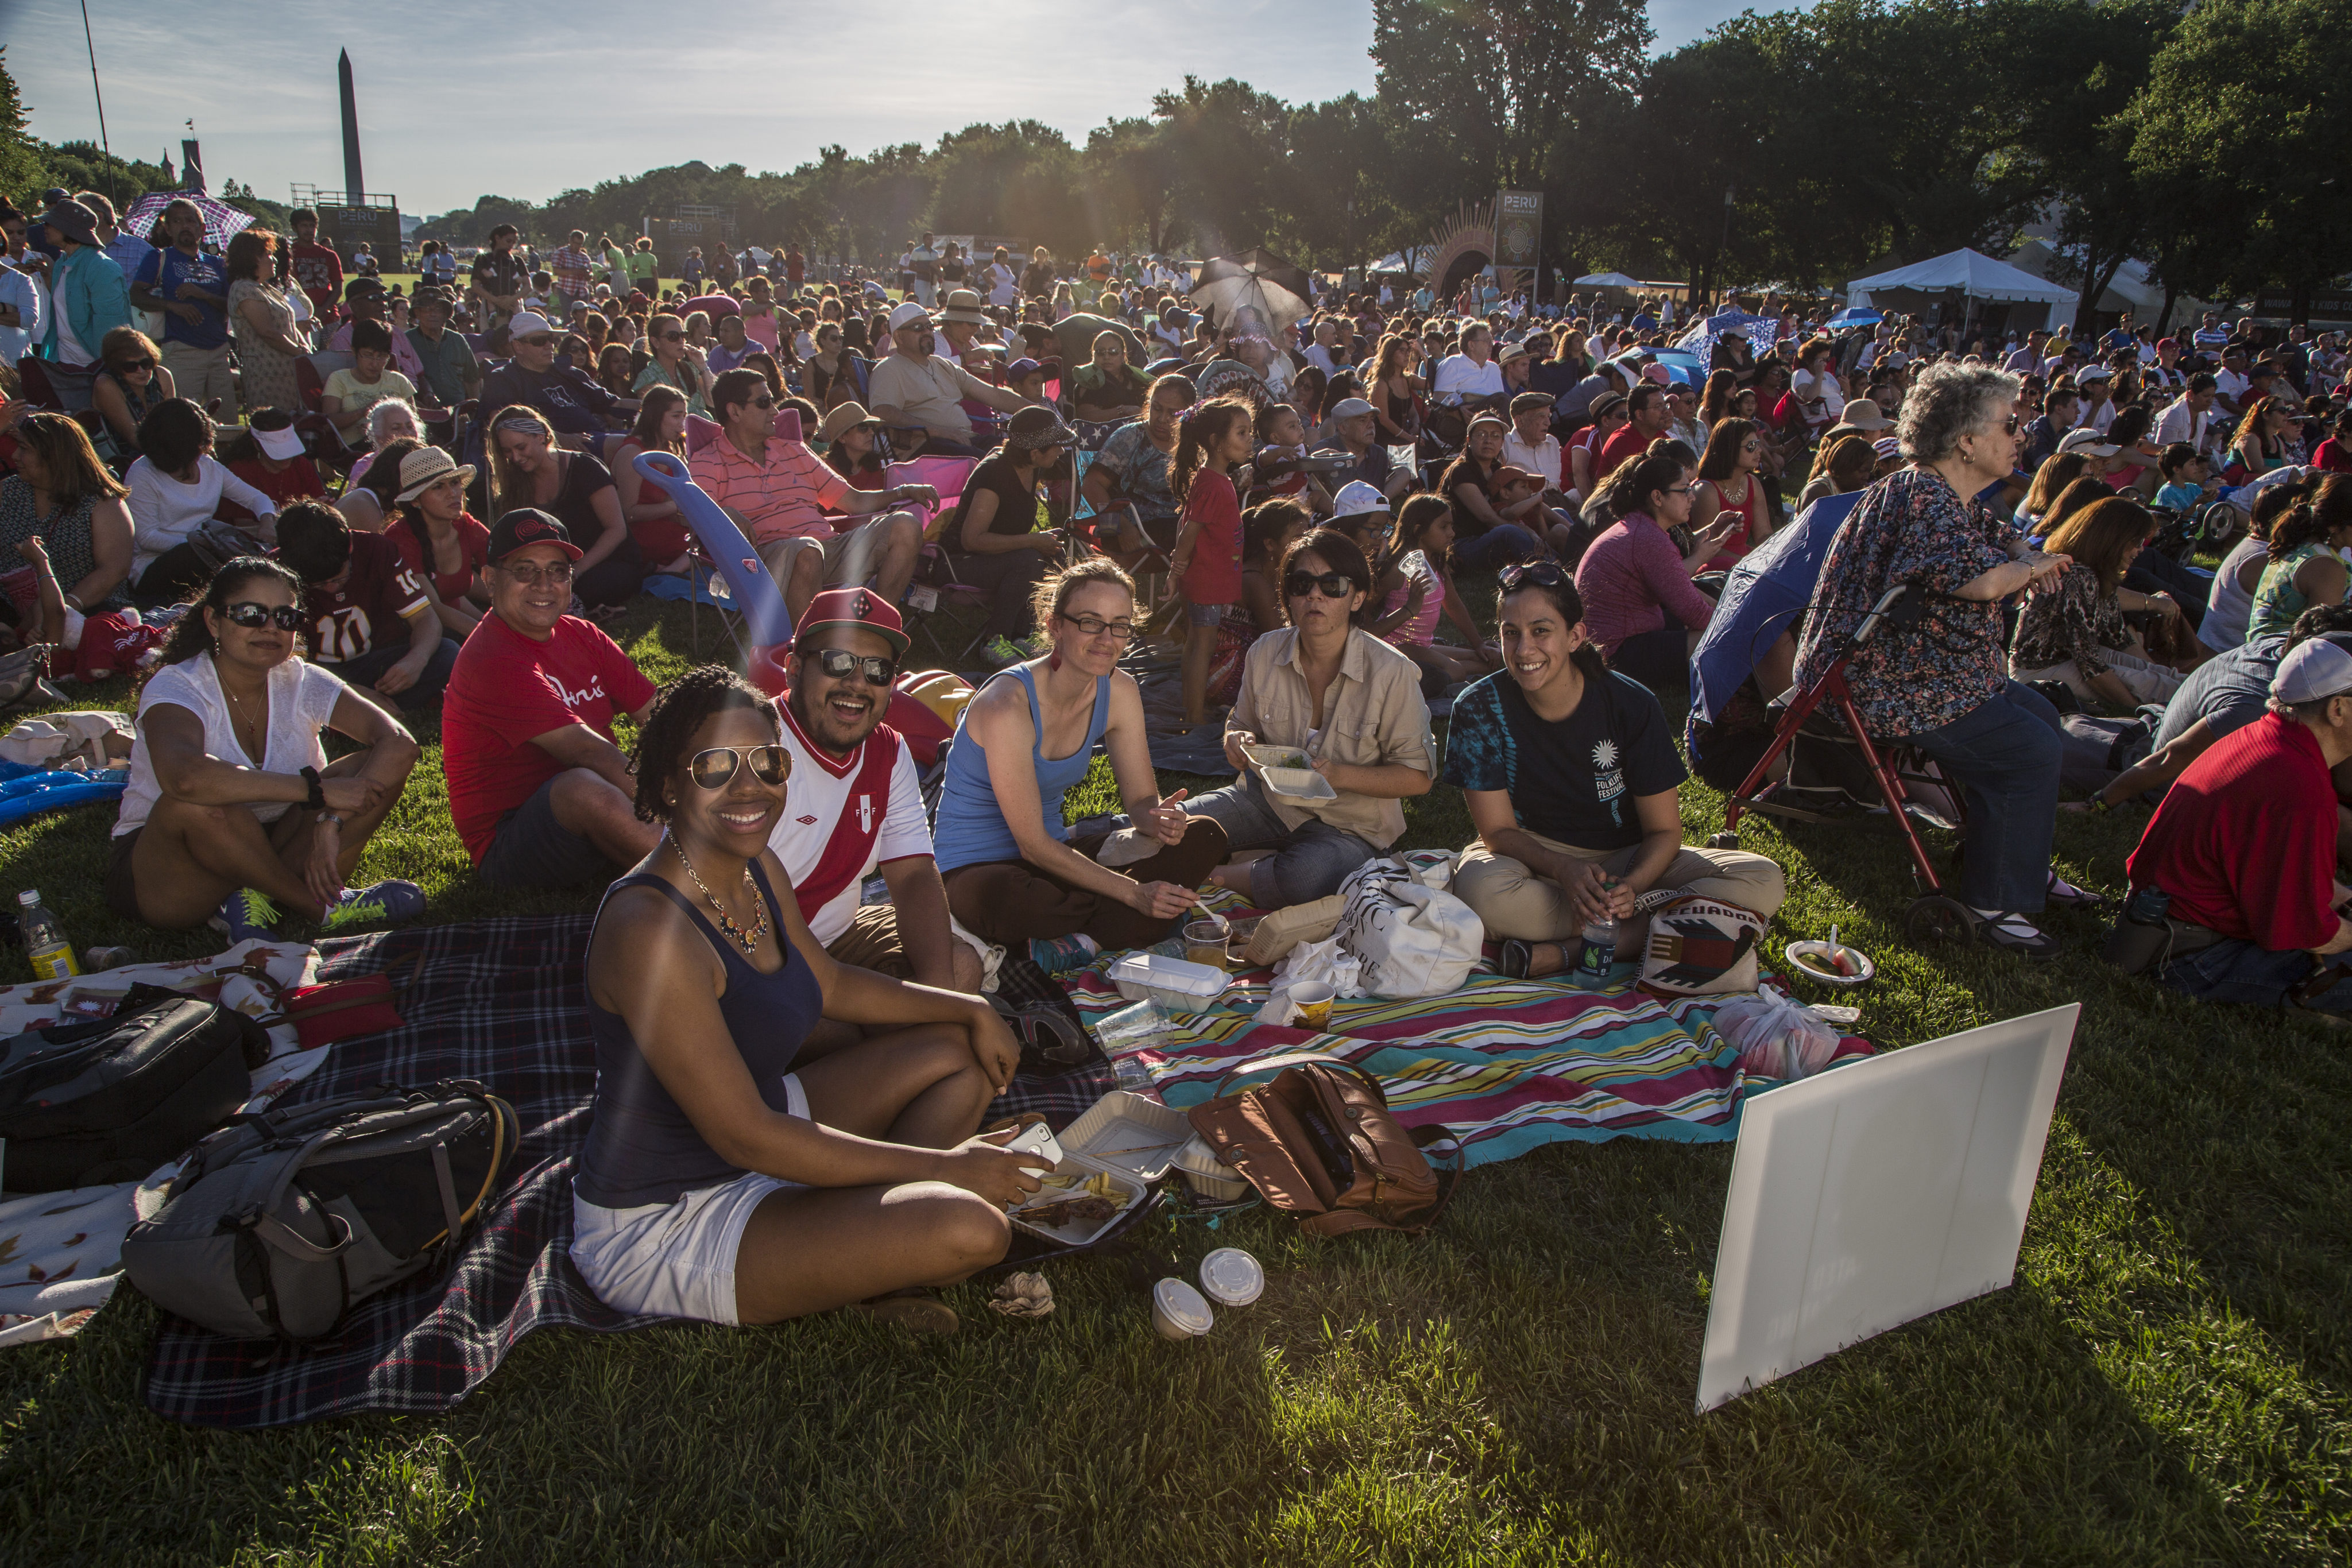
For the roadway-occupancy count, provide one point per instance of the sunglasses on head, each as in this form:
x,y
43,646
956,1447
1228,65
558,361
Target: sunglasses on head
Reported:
x,y
1329,584
839,663
253,616
1542,573
711,769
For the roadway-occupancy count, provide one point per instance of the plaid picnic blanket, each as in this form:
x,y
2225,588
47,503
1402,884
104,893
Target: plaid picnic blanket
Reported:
x,y
1506,1065
503,1002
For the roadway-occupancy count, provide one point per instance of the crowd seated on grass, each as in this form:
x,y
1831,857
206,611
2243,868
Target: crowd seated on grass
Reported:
x,y
232,813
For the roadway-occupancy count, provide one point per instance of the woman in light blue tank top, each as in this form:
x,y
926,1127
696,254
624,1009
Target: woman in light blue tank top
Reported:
x,y
1014,874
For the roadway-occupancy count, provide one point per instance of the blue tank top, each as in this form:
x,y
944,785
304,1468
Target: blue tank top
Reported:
x,y
642,1148
970,830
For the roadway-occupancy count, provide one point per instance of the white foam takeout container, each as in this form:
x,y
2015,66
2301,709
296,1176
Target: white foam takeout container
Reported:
x,y
1125,1137
1176,984
1295,783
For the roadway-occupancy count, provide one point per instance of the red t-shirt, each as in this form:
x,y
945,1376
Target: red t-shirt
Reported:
x,y
2245,840
506,692
298,479
473,544
375,600
319,272
1214,576
2332,456
1629,441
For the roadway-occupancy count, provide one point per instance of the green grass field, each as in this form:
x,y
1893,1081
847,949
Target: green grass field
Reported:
x,y
2166,1383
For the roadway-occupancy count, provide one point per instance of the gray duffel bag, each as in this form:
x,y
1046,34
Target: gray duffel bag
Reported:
x,y
281,1221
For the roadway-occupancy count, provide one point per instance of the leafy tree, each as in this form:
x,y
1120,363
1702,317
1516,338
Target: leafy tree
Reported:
x,y
1229,147
2247,111
24,158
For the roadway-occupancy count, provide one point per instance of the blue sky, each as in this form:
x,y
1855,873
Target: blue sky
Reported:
x,y
551,95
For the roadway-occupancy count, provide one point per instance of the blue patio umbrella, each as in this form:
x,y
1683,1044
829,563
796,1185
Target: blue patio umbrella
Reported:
x,y
1857,316
1767,590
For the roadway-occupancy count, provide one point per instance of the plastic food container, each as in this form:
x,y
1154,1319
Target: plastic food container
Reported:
x,y
1285,770
1232,1278
1814,960
1179,1312
1130,1135
1173,983
1209,1176
1076,1170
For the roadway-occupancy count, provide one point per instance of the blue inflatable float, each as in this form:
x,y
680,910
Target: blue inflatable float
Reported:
x,y
26,793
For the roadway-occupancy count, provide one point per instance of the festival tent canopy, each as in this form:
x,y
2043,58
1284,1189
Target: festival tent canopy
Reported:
x,y
1965,271
1607,280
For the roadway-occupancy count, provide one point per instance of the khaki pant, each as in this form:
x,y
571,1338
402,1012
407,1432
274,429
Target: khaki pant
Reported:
x,y
201,374
1514,900
2147,681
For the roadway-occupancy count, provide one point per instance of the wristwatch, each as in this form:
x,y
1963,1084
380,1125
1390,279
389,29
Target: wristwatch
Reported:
x,y
317,800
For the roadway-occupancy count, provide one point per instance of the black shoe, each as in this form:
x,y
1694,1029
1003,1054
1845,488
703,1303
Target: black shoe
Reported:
x,y
2005,928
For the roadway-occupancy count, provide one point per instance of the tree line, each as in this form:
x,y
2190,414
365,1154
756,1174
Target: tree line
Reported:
x,y
1797,148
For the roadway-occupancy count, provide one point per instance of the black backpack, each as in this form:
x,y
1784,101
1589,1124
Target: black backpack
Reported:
x,y
283,1221
85,1103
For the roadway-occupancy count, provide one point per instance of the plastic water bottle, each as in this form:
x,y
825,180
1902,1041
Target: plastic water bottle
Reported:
x,y
1600,954
44,938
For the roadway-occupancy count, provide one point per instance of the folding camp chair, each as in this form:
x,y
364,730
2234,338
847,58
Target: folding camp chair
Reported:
x,y
1933,916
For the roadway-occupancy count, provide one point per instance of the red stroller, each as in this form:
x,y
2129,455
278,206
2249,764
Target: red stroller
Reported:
x,y
1933,915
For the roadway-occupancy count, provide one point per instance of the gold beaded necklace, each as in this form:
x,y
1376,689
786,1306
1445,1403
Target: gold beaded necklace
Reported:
x,y
748,940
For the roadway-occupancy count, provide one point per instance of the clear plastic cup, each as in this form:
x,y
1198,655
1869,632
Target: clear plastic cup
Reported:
x,y
1205,942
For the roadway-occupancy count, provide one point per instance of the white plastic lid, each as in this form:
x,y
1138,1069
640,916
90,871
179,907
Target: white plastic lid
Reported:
x,y
1231,1276
1182,1305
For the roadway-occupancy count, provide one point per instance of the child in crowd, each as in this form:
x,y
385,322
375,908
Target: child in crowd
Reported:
x,y
1214,439
369,380
1267,529
1416,588
2188,478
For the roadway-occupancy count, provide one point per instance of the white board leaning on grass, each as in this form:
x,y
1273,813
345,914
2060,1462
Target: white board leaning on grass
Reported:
x,y
1878,1193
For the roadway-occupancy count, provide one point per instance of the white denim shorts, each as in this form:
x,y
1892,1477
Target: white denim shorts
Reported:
x,y
675,1260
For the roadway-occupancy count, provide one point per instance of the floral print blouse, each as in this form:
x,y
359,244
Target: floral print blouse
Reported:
x,y
1911,528
2069,618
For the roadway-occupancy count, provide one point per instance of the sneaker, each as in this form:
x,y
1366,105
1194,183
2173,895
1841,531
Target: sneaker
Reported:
x,y
1058,954
244,916
1000,651
392,902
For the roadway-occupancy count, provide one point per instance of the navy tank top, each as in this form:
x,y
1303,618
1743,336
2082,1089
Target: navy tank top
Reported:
x,y
642,1148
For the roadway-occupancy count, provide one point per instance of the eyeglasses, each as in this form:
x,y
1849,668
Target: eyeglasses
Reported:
x,y
670,336
771,765
1329,584
554,571
763,403
1542,573
538,340
839,663
1094,626
253,616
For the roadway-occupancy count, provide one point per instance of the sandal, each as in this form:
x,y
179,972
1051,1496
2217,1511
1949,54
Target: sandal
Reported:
x,y
916,1309
1515,959
2007,928
1049,1040
2066,895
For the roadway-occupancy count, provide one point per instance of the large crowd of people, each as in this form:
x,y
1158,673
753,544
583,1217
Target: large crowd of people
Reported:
x,y
303,501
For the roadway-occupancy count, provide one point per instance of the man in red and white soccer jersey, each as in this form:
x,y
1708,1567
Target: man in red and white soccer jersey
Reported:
x,y
853,803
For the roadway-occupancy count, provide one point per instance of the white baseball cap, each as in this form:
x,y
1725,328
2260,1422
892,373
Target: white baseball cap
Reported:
x,y
2312,670
529,324
908,315
1355,499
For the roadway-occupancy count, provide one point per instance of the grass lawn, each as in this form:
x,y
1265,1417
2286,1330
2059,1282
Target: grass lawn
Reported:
x,y
2166,1383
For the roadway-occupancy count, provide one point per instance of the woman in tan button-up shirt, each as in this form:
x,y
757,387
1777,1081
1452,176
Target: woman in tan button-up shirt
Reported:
x,y
1352,704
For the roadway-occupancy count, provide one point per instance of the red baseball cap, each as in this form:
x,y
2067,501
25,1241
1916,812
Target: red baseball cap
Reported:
x,y
853,607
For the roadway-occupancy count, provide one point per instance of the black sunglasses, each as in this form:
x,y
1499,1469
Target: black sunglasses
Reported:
x,y
670,336
1329,584
763,403
839,663
538,340
771,765
1542,573
252,616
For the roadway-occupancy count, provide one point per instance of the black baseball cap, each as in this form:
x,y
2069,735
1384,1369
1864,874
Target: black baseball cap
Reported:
x,y
528,526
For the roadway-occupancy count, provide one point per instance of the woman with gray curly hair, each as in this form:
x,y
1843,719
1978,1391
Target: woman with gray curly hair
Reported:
x,y
1942,684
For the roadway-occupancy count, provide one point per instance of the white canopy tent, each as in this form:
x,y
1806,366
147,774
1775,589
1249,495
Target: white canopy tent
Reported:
x,y
1607,280
1969,274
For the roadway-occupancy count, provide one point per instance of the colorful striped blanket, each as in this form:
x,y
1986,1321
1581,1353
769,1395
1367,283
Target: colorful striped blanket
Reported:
x,y
1507,1064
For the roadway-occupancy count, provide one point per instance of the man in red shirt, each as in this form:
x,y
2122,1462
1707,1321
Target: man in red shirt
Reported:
x,y
780,494
2244,846
318,270
539,793
356,590
1647,405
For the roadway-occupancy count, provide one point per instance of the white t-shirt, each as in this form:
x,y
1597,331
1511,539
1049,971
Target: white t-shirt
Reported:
x,y
302,700
845,817
1541,458
1461,373
1003,284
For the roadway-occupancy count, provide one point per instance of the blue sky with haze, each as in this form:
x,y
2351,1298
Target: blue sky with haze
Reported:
x,y
553,96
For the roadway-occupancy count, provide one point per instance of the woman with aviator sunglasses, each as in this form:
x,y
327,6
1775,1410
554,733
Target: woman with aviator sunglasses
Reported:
x,y
131,383
1325,688
737,1171
232,810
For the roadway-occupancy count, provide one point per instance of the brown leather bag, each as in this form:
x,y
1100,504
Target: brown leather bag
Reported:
x,y
1319,1143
